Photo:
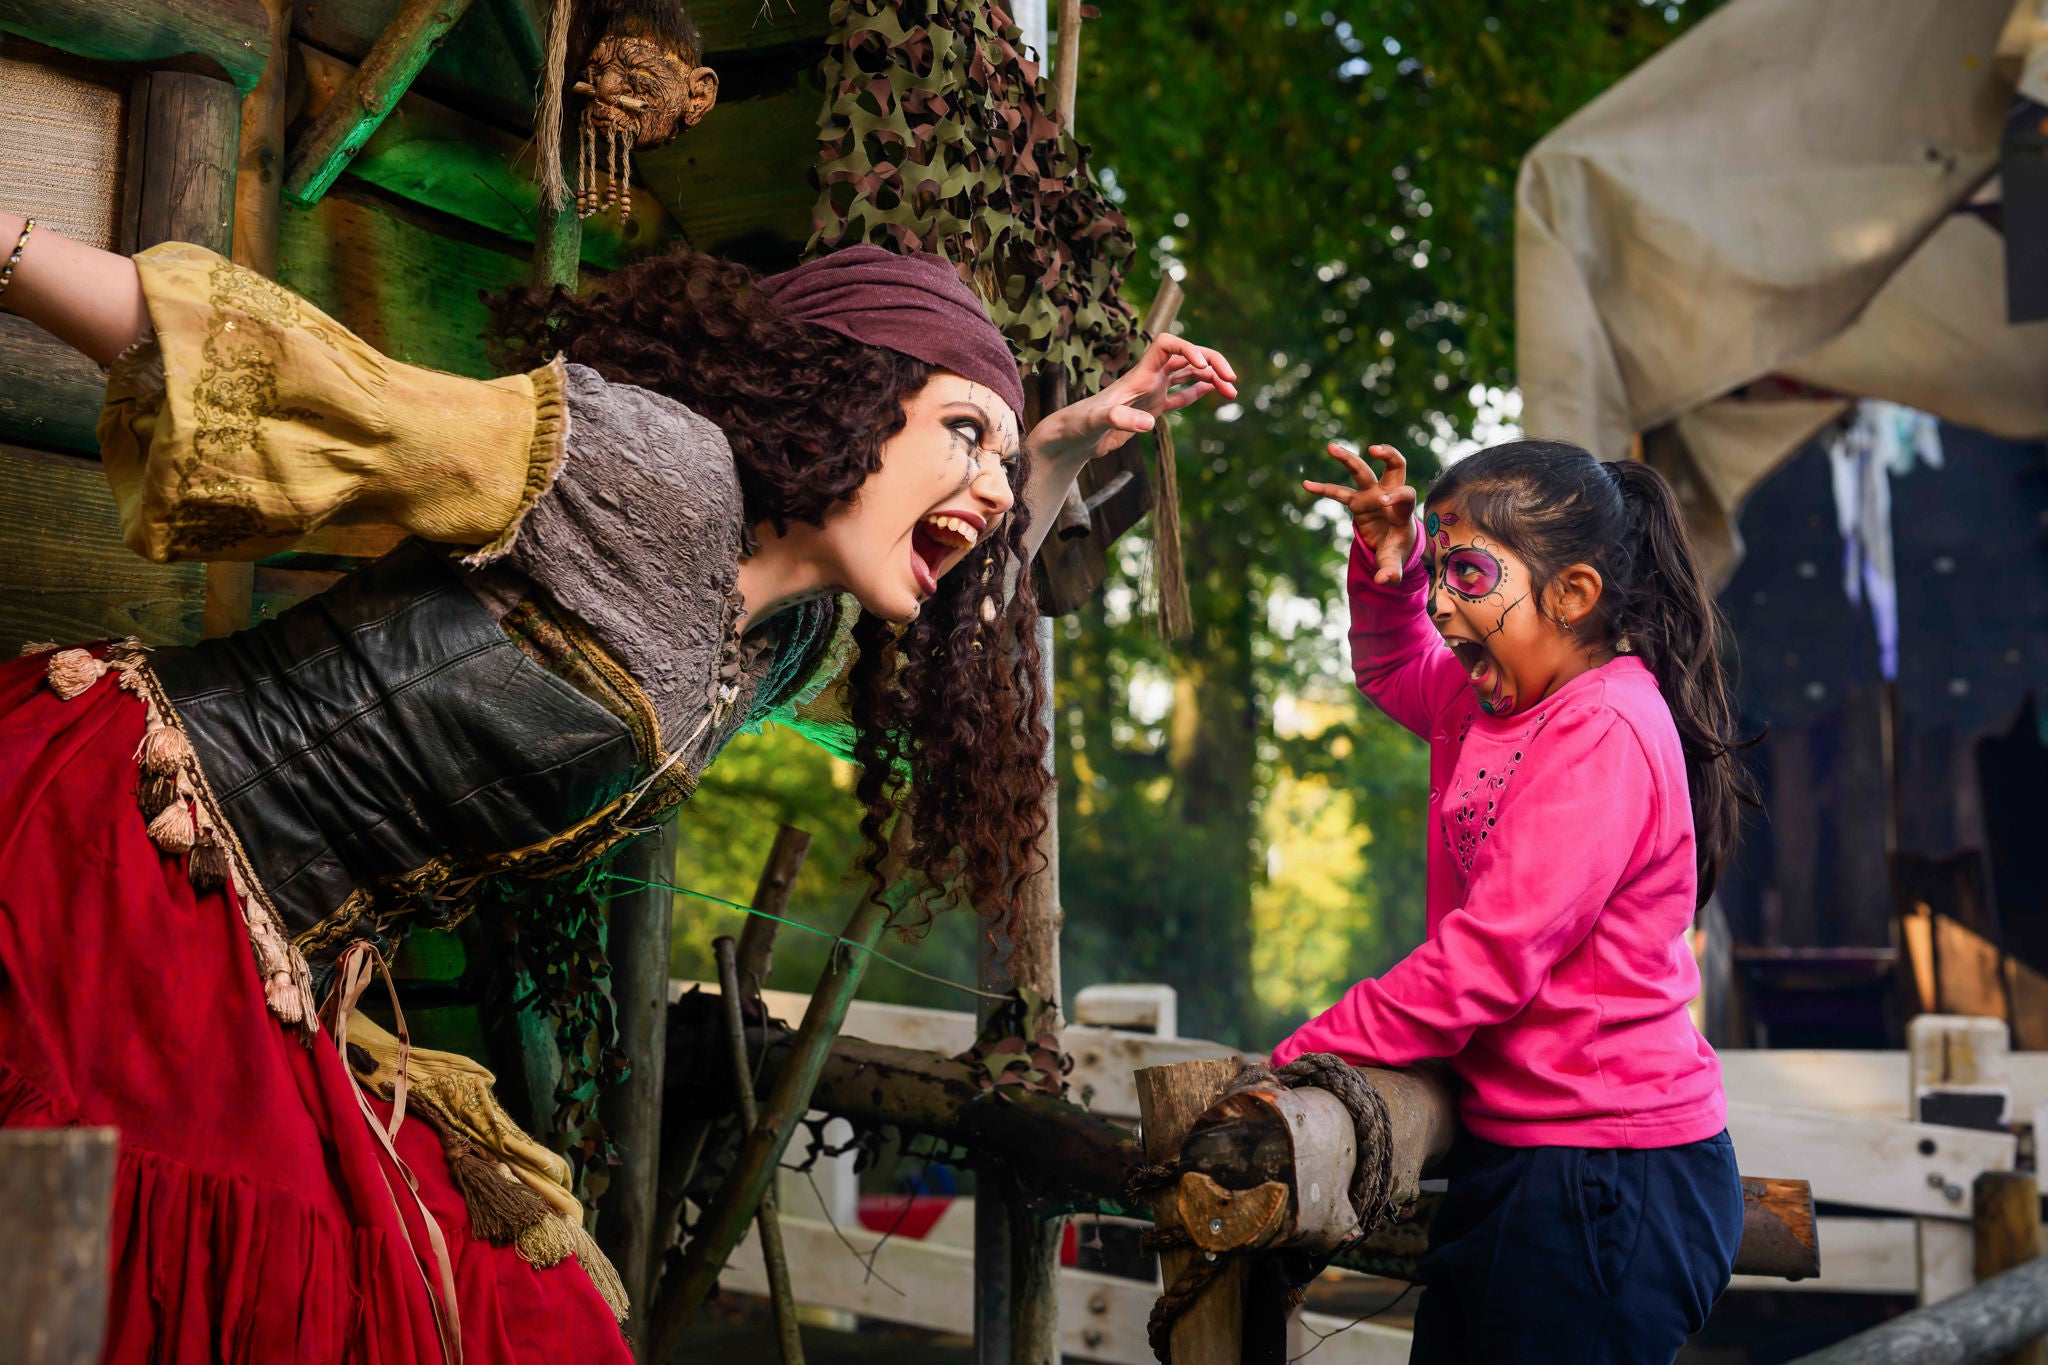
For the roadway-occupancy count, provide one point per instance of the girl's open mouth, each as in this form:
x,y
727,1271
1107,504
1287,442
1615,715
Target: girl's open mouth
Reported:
x,y
1473,658
935,540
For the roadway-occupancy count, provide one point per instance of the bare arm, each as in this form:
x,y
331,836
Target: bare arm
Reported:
x,y
1172,374
86,298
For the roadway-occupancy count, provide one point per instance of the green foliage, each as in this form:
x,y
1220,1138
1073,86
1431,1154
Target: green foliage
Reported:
x,y
724,833
1334,185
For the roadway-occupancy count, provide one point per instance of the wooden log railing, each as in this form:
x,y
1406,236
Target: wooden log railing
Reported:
x,y
1066,1154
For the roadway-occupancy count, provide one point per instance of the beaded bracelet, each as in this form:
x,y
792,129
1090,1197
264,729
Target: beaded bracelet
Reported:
x,y
14,259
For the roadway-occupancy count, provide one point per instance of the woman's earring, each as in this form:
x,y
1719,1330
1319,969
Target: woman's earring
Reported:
x,y
988,603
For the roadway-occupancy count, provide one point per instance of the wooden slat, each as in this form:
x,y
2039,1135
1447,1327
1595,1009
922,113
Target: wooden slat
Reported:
x,y
66,575
407,291
1857,1256
1868,1163
50,395
1102,1317
234,33
744,173
322,151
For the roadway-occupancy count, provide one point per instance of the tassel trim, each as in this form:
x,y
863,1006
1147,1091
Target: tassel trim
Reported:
x,y
547,1243
186,820
545,456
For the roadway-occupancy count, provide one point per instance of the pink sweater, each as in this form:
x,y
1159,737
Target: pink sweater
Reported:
x,y
1556,974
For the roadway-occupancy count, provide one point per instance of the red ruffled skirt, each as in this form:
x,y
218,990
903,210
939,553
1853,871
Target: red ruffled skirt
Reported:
x,y
252,1221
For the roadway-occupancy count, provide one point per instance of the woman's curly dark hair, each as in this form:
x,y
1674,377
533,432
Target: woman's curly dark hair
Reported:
x,y
947,711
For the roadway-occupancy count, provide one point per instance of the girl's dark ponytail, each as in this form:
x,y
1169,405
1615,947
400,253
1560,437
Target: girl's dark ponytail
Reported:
x,y
1556,506
1669,618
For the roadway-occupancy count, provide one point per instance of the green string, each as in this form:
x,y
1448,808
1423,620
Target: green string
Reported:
x,y
636,883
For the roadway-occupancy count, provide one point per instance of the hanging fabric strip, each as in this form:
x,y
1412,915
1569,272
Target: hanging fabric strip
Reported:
x,y
358,964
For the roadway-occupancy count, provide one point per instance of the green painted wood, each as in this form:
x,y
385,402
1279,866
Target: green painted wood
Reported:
x,y
479,68
454,164
67,577
234,33
368,96
403,288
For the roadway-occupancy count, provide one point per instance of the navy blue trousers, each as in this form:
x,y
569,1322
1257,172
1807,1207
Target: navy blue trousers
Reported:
x,y
1577,1255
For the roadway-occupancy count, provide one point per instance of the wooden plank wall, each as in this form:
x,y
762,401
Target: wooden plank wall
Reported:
x,y
67,576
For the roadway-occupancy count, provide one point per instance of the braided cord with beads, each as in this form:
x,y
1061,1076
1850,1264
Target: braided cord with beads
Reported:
x,y
14,257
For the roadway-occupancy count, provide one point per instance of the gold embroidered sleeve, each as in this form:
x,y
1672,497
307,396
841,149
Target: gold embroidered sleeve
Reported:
x,y
252,418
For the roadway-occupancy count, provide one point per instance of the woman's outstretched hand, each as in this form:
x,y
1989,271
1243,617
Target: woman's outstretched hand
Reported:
x,y
1171,374
1382,506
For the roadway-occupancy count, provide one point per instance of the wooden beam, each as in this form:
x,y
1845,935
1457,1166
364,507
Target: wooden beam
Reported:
x,y
55,1188
233,33
1894,1167
370,94
1998,1316
1058,1149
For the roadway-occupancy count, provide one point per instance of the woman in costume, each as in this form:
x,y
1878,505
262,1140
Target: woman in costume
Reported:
x,y
702,496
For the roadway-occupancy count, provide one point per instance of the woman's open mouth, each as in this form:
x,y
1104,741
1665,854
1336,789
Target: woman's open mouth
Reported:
x,y
935,542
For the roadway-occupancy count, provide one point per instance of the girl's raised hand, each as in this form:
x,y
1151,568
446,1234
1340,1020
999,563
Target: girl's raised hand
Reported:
x,y
1382,506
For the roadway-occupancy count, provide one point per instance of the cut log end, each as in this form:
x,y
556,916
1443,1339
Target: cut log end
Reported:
x,y
1778,1238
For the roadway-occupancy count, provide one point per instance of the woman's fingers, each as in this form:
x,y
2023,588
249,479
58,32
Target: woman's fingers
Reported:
x,y
1168,347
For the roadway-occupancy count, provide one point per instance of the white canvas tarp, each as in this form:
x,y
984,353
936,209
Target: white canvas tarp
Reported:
x,y
1777,194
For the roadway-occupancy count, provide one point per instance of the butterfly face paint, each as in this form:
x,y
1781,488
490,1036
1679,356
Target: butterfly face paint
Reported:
x,y
1472,602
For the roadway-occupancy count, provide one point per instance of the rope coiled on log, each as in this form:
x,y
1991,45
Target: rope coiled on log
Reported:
x,y
1372,1178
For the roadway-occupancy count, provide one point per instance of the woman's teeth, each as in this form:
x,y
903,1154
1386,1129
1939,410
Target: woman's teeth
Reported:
x,y
953,531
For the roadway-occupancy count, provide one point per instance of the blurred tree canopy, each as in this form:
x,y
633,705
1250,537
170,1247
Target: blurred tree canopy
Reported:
x,y
1334,185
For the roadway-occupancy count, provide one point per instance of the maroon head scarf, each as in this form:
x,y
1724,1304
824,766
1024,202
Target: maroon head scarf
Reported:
x,y
914,305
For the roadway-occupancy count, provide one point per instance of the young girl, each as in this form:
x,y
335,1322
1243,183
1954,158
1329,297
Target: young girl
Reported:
x,y
1546,627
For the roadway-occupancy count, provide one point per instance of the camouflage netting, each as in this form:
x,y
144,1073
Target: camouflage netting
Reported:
x,y
938,135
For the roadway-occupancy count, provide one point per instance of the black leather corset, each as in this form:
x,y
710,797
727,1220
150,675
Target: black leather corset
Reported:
x,y
384,726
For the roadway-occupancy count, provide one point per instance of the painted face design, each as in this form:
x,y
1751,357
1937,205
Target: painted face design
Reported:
x,y
1470,602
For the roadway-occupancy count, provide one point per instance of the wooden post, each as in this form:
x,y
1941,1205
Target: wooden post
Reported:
x,y
1170,1099
55,1187
787,1335
1956,1061
184,132
1016,1253
637,941
725,1222
2007,1228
